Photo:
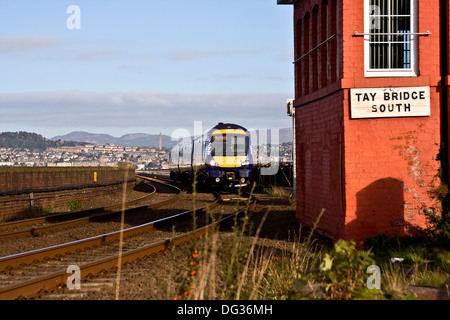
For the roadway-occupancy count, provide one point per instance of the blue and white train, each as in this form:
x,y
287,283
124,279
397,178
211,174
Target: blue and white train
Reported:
x,y
221,156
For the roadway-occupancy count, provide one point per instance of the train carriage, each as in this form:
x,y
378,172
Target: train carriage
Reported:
x,y
221,156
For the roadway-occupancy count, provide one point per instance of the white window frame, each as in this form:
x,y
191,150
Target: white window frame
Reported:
x,y
413,71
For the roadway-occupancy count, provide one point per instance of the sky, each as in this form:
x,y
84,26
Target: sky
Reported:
x,y
121,67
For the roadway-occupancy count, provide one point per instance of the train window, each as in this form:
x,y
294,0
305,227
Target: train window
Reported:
x,y
237,145
217,145
230,145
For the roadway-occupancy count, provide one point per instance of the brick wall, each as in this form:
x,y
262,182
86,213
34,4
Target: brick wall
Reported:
x,y
390,163
27,205
315,22
372,175
55,187
319,147
390,171
34,179
353,59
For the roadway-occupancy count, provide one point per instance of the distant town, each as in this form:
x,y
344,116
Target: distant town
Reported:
x,y
86,156
143,158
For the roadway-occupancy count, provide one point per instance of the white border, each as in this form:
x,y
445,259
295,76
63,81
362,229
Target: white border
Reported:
x,y
414,71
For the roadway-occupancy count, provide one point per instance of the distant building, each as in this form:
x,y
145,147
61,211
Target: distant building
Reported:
x,y
371,113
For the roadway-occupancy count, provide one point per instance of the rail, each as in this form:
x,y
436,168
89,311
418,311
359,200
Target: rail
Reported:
x,y
29,288
32,287
68,219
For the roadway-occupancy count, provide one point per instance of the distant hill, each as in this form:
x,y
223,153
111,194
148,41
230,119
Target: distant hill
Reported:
x,y
141,139
32,141
82,136
128,140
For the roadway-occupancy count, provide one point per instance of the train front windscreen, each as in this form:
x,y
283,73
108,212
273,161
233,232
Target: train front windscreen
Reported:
x,y
229,145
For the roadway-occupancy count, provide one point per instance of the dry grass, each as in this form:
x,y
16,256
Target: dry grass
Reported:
x,y
234,265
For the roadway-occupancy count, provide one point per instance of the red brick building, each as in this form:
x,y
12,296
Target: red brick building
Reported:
x,y
371,87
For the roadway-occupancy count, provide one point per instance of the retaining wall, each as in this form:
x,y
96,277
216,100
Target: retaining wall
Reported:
x,y
16,180
26,190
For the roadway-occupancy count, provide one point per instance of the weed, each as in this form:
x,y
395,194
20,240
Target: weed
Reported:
x,y
427,277
343,271
425,254
76,205
187,282
237,266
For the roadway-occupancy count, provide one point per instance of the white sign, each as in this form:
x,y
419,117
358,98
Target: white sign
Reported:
x,y
390,102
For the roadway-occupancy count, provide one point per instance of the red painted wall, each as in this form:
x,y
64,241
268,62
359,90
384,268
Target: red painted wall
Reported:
x,y
319,164
372,175
390,171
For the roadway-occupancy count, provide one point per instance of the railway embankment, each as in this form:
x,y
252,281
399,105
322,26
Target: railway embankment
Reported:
x,y
25,191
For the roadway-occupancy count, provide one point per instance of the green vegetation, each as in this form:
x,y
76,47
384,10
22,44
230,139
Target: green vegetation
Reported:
x,y
32,141
343,269
240,265
426,255
76,205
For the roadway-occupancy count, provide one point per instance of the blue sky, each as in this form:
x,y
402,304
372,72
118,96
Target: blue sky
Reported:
x,y
144,66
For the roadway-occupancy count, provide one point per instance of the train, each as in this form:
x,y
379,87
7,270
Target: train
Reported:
x,y
222,157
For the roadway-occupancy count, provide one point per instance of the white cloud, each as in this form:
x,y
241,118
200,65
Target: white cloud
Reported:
x,y
26,43
95,55
189,55
128,111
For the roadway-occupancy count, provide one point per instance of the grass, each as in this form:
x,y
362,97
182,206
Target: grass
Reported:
x,y
233,266
239,265
426,256
76,205
276,191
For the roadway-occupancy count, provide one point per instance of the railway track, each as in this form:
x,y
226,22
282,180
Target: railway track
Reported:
x,y
41,225
27,274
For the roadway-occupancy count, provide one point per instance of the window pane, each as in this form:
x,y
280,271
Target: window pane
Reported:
x,y
400,25
229,145
400,7
380,25
390,40
379,55
401,55
378,7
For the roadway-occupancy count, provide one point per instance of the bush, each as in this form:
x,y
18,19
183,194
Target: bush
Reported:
x,y
343,271
438,228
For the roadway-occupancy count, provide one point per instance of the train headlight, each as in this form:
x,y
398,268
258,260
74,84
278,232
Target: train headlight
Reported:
x,y
245,163
212,163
